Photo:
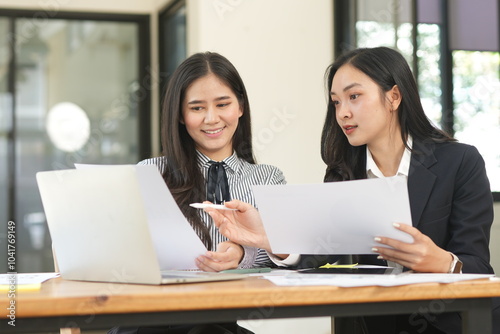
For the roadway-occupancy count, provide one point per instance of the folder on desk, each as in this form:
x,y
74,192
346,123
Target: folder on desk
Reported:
x,y
119,224
335,217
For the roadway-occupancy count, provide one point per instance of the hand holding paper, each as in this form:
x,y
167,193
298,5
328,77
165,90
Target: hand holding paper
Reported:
x,y
227,256
423,255
242,226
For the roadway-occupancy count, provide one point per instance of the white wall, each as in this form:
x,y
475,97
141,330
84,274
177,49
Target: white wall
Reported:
x,y
281,49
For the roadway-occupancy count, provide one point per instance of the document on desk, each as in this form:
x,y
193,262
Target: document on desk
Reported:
x,y
335,217
23,281
349,281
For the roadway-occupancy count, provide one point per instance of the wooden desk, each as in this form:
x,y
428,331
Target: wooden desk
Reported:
x,y
62,304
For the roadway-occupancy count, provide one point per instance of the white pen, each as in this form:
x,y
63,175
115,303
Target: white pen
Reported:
x,y
206,205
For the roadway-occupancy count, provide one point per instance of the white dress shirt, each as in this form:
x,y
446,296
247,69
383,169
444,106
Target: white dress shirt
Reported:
x,y
372,171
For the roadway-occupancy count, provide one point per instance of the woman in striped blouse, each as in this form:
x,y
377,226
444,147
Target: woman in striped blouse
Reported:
x,y
206,119
206,132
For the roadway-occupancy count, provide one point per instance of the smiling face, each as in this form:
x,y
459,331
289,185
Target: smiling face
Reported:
x,y
365,113
211,112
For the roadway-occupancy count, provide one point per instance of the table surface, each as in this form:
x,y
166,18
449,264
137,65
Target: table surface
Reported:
x,y
58,297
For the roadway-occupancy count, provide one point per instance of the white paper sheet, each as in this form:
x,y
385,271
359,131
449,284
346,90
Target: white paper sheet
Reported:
x,y
349,280
12,283
333,218
26,278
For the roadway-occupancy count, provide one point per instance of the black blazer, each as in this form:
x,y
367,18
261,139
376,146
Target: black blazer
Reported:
x,y
451,202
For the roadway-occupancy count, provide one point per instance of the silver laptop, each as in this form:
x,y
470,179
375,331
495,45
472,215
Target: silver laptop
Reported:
x,y
120,224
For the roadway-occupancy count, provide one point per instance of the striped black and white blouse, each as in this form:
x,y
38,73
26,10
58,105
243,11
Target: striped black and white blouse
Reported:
x,y
241,176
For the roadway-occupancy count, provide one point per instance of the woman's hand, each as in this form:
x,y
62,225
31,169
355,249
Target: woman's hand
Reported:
x,y
243,226
227,256
423,255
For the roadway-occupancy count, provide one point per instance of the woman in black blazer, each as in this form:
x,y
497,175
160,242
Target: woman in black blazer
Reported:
x,y
376,127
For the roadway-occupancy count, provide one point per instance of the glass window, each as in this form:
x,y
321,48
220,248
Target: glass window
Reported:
x,y
385,23
476,85
77,100
475,74
172,40
5,128
389,23
429,73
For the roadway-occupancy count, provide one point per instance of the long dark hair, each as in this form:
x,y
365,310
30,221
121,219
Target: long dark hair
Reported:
x,y
387,68
183,175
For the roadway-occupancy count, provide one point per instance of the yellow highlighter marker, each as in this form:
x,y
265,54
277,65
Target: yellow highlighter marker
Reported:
x,y
328,265
21,287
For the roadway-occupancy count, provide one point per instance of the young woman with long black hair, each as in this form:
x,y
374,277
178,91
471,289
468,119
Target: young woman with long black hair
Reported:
x,y
376,127
208,156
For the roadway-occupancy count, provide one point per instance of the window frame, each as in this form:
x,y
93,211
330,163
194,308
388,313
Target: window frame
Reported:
x,y
144,67
167,65
144,56
345,38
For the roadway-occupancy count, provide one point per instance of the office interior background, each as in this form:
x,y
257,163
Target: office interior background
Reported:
x,y
81,82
